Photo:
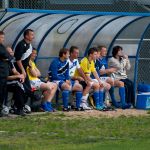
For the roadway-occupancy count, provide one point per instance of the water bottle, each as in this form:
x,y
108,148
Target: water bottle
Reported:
x,y
107,99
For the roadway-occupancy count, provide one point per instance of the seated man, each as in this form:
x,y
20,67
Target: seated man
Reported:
x,y
121,63
59,73
48,88
103,70
88,67
73,67
15,85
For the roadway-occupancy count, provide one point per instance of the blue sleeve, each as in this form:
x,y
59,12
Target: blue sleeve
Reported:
x,y
53,71
106,65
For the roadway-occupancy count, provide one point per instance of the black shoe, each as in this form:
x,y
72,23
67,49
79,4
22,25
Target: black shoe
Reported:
x,y
79,109
73,107
20,112
1,115
111,108
66,109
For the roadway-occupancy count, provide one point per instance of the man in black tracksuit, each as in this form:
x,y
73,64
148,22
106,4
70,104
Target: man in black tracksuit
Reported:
x,y
4,71
22,55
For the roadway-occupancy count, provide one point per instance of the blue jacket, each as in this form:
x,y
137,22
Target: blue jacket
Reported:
x,y
100,64
59,70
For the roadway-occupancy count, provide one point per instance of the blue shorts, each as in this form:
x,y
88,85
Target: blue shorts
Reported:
x,y
61,82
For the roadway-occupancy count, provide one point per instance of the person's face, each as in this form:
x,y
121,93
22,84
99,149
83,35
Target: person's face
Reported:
x,y
66,56
98,55
2,39
30,36
120,53
75,54
94,56
33,55
10,51
103,52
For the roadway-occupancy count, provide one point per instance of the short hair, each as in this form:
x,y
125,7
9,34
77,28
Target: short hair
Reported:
x,y
115,50
92,50
26,32
2,33
72,48
99,48
63,51
34,50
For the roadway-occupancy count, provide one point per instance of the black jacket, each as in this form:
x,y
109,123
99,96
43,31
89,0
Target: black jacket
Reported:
x,y
4,62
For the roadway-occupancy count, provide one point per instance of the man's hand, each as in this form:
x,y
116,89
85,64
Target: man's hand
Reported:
x,y
102,71
24,73
80,79
112,70
100,84
21,77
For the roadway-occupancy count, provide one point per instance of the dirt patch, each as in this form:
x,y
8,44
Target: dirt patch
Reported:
x,y
91,113
97,114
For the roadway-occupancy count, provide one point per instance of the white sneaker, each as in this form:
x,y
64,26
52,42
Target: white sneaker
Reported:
x,y
84,106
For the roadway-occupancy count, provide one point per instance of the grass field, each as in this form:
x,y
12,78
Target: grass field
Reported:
x,y
57,131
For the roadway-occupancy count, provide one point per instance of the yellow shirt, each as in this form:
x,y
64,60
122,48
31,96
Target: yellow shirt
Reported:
x,y
87,67
33,66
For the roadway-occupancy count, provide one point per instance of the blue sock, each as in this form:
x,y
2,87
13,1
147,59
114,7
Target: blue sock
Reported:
x,y
122,95
123,100
96,98
114,102
49,104
44,106
104,96
101,98
78,99
65,98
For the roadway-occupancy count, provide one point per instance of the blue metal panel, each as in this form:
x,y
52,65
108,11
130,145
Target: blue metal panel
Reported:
x,y
49,30
120,31
93,37
20,33
76,12
66,42
10,17
137,57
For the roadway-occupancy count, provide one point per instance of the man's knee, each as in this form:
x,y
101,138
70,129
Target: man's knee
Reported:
x,y
96,86
119,83
77,87
66,86
110,81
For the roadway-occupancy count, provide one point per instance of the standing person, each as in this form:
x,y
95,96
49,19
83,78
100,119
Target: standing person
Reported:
x,y
22,55
4,71
59,73
104,72
88,67
121,62
75,66
48,88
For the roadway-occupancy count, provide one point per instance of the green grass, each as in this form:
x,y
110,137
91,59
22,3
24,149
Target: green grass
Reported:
x,y
58,132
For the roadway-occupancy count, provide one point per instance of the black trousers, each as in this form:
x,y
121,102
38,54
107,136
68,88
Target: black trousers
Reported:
x,y
3,91
19,95
129,88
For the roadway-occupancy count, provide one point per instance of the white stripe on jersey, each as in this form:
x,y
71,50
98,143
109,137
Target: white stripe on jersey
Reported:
x,y
27,53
